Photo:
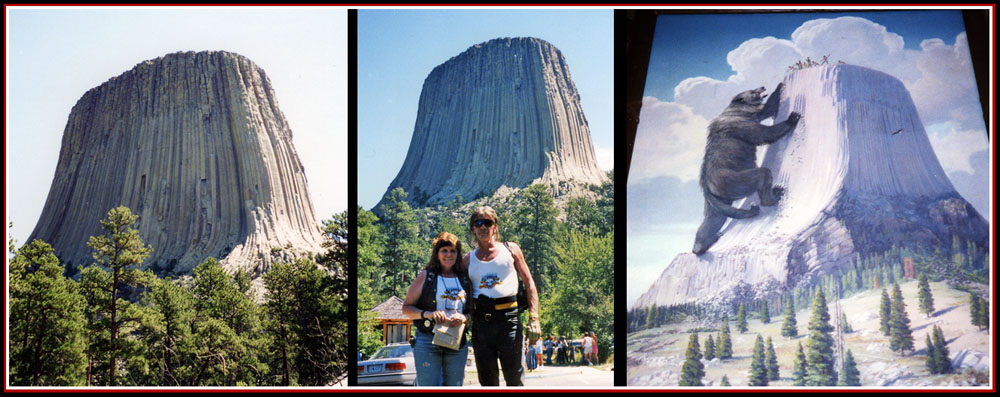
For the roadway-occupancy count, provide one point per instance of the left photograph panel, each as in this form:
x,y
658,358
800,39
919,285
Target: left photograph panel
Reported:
x,y
176,196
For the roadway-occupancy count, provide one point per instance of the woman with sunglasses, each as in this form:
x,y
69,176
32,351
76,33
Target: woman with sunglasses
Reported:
x,y
494,268
438,296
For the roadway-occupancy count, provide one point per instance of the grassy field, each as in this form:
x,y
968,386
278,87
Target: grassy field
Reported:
x,y
655,356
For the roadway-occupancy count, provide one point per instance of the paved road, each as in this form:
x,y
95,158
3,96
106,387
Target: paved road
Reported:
x,y
556,377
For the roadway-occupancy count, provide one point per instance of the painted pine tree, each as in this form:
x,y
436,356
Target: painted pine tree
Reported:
x,y
984,313
924,296
771,361
942,363
885,310
709,348
741,319
790,327
765,315
974,310
724,381
850,376
844,324
900,335
799,367
724,349
930,362
758,369
819,354
692,370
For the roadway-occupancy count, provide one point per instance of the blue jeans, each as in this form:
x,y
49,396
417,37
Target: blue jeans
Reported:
x,y
436,365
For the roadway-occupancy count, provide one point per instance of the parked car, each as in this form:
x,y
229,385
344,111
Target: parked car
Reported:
x,y
390,365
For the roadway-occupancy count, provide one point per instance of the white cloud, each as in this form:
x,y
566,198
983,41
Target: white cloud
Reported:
x,y
757,62
953,146
671,135
670,140
605,157
938,94
854,40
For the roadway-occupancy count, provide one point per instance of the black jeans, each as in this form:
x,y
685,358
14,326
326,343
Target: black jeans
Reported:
x,y
498,336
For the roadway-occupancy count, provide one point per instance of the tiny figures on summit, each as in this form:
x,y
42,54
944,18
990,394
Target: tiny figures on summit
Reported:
x,y
729,171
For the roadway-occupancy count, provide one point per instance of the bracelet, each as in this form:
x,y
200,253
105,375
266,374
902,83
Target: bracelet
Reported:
x,y
422,315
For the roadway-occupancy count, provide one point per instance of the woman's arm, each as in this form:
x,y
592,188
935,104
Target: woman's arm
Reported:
x,y
410,309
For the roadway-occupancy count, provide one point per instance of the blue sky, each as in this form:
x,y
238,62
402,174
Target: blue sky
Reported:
x,y
681,51
699,62
397,49
55,55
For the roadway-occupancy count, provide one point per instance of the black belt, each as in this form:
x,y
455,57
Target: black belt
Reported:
x,y
486,307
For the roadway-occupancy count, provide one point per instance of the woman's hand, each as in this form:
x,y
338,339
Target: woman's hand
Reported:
x,y
456,319
438,316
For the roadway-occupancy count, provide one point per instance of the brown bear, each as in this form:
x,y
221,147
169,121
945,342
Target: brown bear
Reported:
x,y
729,171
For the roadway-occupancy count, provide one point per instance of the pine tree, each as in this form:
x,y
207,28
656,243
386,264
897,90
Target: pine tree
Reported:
x,y
974,310
166,335
693,370
724,349
819,357
799,367
741,319
370,239
401,253
535,219
758,369
229,330
924,296
942,362
724,381
120,249
302,302
790,328
931,361
771,361
850,376
844,324
709,348
900,338
885,311
765,315
984,313
47,334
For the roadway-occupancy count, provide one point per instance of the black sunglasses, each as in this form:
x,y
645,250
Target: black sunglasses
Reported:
x,y
482,222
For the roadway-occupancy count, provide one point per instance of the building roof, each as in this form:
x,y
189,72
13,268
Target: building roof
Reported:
x,y
391,309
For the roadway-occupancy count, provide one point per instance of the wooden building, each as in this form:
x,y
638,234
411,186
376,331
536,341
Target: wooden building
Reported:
x,y
395,326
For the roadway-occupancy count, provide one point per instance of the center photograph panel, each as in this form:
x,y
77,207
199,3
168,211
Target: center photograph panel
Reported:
x,y
485,191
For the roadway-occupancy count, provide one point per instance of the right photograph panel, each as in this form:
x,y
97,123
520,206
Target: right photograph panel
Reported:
x,y
809,203
486,198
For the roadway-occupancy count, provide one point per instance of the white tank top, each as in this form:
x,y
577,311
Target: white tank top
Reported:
x,y
450,295
496,278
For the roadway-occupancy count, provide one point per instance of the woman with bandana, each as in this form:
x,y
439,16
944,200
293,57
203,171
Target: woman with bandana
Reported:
x,y
438,296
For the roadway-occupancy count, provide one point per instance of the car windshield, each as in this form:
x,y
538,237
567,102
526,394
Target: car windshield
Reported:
x,y
393,352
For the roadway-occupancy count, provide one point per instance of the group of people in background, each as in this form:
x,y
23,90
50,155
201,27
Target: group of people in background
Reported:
x,y
566,351
810,63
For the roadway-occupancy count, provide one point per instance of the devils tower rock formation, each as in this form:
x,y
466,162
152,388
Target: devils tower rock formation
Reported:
x,y
193,143
860,176
504,112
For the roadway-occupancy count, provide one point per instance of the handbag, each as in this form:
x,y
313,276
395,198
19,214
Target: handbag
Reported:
x,y
449,337
522,293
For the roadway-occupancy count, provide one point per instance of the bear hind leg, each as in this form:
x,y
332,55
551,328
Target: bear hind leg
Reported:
x,y
708,232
